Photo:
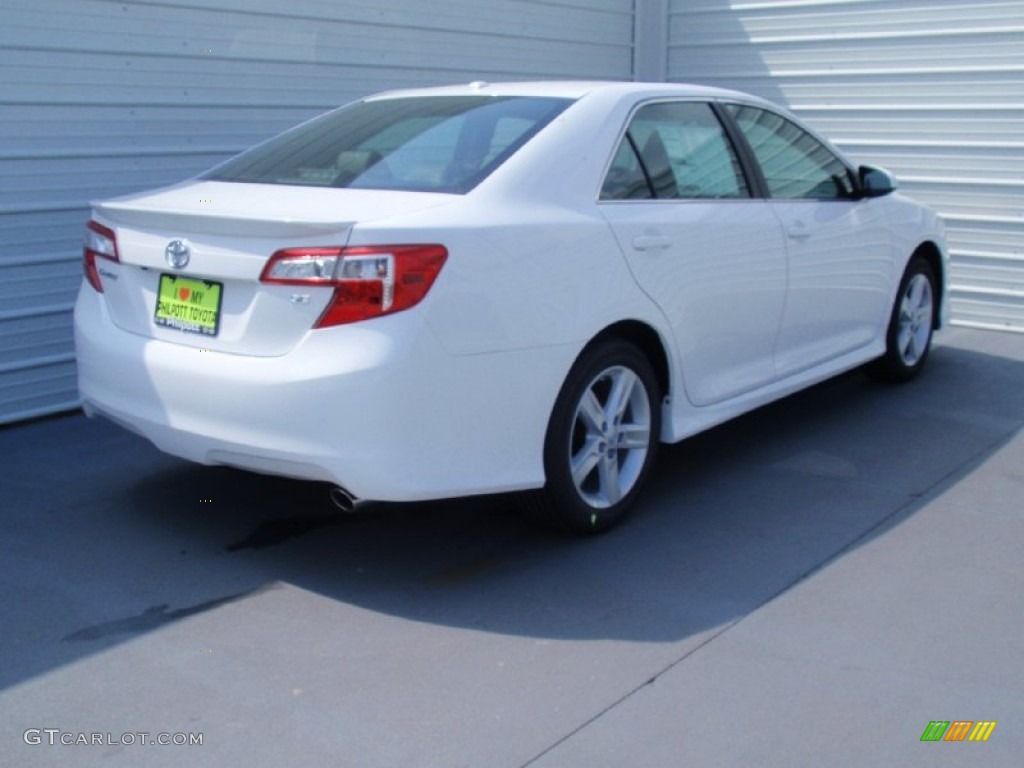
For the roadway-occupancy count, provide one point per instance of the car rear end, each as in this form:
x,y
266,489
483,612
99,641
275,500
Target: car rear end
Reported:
x,y
252,318
222,338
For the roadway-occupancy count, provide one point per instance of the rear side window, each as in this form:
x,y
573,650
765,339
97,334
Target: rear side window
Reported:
x,y
429,144
675,151
794,163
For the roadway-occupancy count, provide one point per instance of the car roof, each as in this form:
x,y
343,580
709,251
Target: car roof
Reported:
x,y
571,89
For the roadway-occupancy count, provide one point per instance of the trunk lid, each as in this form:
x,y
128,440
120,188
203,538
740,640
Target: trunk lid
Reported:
x,y
230,230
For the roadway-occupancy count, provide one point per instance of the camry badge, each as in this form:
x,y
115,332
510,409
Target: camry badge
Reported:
x,y
177,253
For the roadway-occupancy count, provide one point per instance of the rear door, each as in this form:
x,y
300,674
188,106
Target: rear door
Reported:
x,y
712,257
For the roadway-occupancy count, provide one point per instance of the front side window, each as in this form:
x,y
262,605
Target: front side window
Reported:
x,y
795,164
675,150
428,144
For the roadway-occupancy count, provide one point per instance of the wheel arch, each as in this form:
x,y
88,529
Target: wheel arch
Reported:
x,y
648,341
930,252
563,502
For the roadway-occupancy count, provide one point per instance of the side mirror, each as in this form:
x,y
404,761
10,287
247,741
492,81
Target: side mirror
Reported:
x,y
875,182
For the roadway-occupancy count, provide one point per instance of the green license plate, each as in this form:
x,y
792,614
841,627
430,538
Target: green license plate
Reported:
x,y
188,304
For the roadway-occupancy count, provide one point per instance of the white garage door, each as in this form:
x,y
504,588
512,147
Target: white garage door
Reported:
x,y
931,89
100,98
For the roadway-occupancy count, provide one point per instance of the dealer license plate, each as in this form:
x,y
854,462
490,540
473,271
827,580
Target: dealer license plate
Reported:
x,y
188,304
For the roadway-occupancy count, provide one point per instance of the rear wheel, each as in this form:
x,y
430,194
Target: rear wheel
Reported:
x,y
909,337
601,440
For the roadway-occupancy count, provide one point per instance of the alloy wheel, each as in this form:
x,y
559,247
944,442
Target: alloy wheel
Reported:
x,y
915,319
611,436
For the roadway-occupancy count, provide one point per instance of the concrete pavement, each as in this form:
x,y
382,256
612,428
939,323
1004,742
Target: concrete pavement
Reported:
x,y
811,584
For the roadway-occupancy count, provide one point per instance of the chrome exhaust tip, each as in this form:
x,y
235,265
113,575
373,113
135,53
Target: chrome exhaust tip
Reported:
x,y
344,500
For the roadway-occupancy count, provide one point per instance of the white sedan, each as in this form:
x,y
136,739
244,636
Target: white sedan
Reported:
x,y
514,287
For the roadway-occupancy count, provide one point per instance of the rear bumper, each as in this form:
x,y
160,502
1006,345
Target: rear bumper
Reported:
x,y
378,408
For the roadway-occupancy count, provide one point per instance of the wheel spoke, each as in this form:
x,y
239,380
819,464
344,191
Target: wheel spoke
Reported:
x,y
906,311
904,338
911,354
634,436
915,294
585,460
591,413
608,472
622,392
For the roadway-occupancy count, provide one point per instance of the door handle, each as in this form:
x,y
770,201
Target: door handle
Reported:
x,y
798,231
651,242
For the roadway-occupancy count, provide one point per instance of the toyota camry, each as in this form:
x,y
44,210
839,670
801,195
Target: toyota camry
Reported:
x,y
500,287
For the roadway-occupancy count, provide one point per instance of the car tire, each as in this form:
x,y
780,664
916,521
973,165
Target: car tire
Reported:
x,y
911,325
601,440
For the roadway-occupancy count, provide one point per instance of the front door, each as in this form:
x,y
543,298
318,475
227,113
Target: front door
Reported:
x,y
840,249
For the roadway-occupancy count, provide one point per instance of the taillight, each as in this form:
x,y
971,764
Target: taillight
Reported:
x,y
99,241
368,281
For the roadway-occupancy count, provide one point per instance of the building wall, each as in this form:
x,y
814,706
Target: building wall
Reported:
x,y
932,90
102,98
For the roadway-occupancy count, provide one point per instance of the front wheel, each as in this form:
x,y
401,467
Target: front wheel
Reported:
x,y
909,336
601,440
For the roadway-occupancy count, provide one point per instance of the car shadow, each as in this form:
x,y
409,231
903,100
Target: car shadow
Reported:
x,y
731,518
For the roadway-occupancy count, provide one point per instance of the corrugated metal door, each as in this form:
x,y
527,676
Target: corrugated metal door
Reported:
x,y
931,89
101,98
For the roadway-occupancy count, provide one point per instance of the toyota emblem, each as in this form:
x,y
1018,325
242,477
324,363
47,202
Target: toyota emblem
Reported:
x,y
177,253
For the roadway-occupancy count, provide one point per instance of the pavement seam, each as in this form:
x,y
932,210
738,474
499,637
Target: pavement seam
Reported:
x,y
650,681
912,499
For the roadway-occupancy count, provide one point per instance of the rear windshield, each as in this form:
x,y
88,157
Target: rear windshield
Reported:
x,y
428,144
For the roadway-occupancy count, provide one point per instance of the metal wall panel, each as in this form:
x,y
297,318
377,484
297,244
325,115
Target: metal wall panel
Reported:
x,y
933,90
102,98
